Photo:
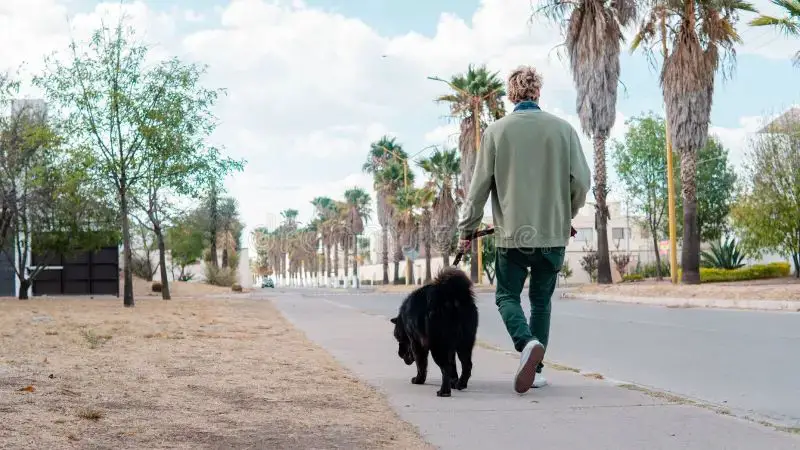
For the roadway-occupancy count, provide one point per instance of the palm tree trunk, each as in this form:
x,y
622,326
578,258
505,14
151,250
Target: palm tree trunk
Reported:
x,y
410,271
428,276
398,256
385,255
601,210
355,261
336,262
328,261
690,253
346,248
445,259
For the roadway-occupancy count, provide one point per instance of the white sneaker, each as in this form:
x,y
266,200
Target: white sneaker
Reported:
x,y
539,381
532,355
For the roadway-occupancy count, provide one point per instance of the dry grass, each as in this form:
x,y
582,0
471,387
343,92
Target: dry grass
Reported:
x,y
774,289
193,374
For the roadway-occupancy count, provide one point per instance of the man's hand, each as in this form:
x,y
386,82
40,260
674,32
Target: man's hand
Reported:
x,y
464,245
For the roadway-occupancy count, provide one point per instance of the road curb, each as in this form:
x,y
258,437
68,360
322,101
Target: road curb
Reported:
x,y
678,302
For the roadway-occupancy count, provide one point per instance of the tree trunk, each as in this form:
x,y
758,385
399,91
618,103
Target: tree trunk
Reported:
x,y
385,255
355,261
224,257
445,259
328,261
690,254
601,210
346,249
796,260
398,256
24,285
126,248
659,276
428,274
162,261
336,263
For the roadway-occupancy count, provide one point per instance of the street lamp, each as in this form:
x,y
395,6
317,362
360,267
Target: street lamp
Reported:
x,y
476,101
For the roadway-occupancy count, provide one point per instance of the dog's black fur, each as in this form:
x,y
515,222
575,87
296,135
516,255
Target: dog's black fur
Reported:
x,y
440,318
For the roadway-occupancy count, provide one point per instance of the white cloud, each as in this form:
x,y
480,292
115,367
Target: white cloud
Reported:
x,y
308,90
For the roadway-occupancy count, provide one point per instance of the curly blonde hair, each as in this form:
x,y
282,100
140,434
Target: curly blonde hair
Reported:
x,y
524,83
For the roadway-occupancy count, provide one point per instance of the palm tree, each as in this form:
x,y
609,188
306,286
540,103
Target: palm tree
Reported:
x,y
382,153
390,181
703,37
593,41
358,211
789,24
442,168
426,198
476,99
406,202
326,209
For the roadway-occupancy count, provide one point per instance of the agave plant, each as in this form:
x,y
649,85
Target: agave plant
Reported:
x,y
723,255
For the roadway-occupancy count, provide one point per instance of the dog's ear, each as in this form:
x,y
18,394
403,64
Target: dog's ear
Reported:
x,y
393,320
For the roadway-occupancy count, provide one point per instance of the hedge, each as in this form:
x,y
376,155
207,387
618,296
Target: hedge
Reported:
x,y
754,272
632,277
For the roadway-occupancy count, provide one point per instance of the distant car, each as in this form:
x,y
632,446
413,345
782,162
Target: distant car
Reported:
x,y
267,283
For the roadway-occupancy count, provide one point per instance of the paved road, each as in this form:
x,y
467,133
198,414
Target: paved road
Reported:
x,y
746,361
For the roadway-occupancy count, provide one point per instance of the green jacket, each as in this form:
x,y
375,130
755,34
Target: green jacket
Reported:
x,y
533,165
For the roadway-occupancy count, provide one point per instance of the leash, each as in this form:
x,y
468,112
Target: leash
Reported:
x,y
481,233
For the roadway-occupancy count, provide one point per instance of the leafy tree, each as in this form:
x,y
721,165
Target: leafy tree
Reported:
x,y
49,207
107,93
178,160
641,164
185,239
716,186
488,254
593,40
767,216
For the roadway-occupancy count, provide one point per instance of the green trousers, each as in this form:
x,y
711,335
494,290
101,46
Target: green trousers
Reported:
x,y
512,266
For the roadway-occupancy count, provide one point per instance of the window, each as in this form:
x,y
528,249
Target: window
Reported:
x,y
584,234
645,232
618,233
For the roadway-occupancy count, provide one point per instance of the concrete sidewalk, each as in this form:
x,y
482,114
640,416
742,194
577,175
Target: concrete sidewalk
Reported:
x,y
574,412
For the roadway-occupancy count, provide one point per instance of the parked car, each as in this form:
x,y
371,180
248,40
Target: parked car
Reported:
x,y
267,283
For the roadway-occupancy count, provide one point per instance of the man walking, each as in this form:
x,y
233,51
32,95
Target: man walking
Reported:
x,y
533,165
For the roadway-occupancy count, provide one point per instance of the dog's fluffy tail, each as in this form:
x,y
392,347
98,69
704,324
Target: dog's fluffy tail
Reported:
x,y
453,286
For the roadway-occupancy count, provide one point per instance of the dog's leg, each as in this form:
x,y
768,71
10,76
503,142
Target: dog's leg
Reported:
x,y
421,358
465,356
453,369
441,359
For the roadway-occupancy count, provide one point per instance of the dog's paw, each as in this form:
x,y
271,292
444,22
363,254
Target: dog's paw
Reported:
x,y
461,385
441,393
418,380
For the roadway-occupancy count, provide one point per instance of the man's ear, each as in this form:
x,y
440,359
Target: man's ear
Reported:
x,y
393,320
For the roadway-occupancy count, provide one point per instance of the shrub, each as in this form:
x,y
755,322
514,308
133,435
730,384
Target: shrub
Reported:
x,y
621,262
236,287
754,272
632,277
589,263
142,267
649,270
566,271
220,277
723,255
156,287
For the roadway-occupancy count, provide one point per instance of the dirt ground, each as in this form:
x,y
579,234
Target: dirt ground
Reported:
x,y
221,373
773,289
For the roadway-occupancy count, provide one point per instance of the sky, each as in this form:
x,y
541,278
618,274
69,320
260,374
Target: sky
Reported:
x,y
311,83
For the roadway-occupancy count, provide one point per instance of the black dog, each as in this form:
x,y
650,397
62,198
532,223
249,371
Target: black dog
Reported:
x,y
442,318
